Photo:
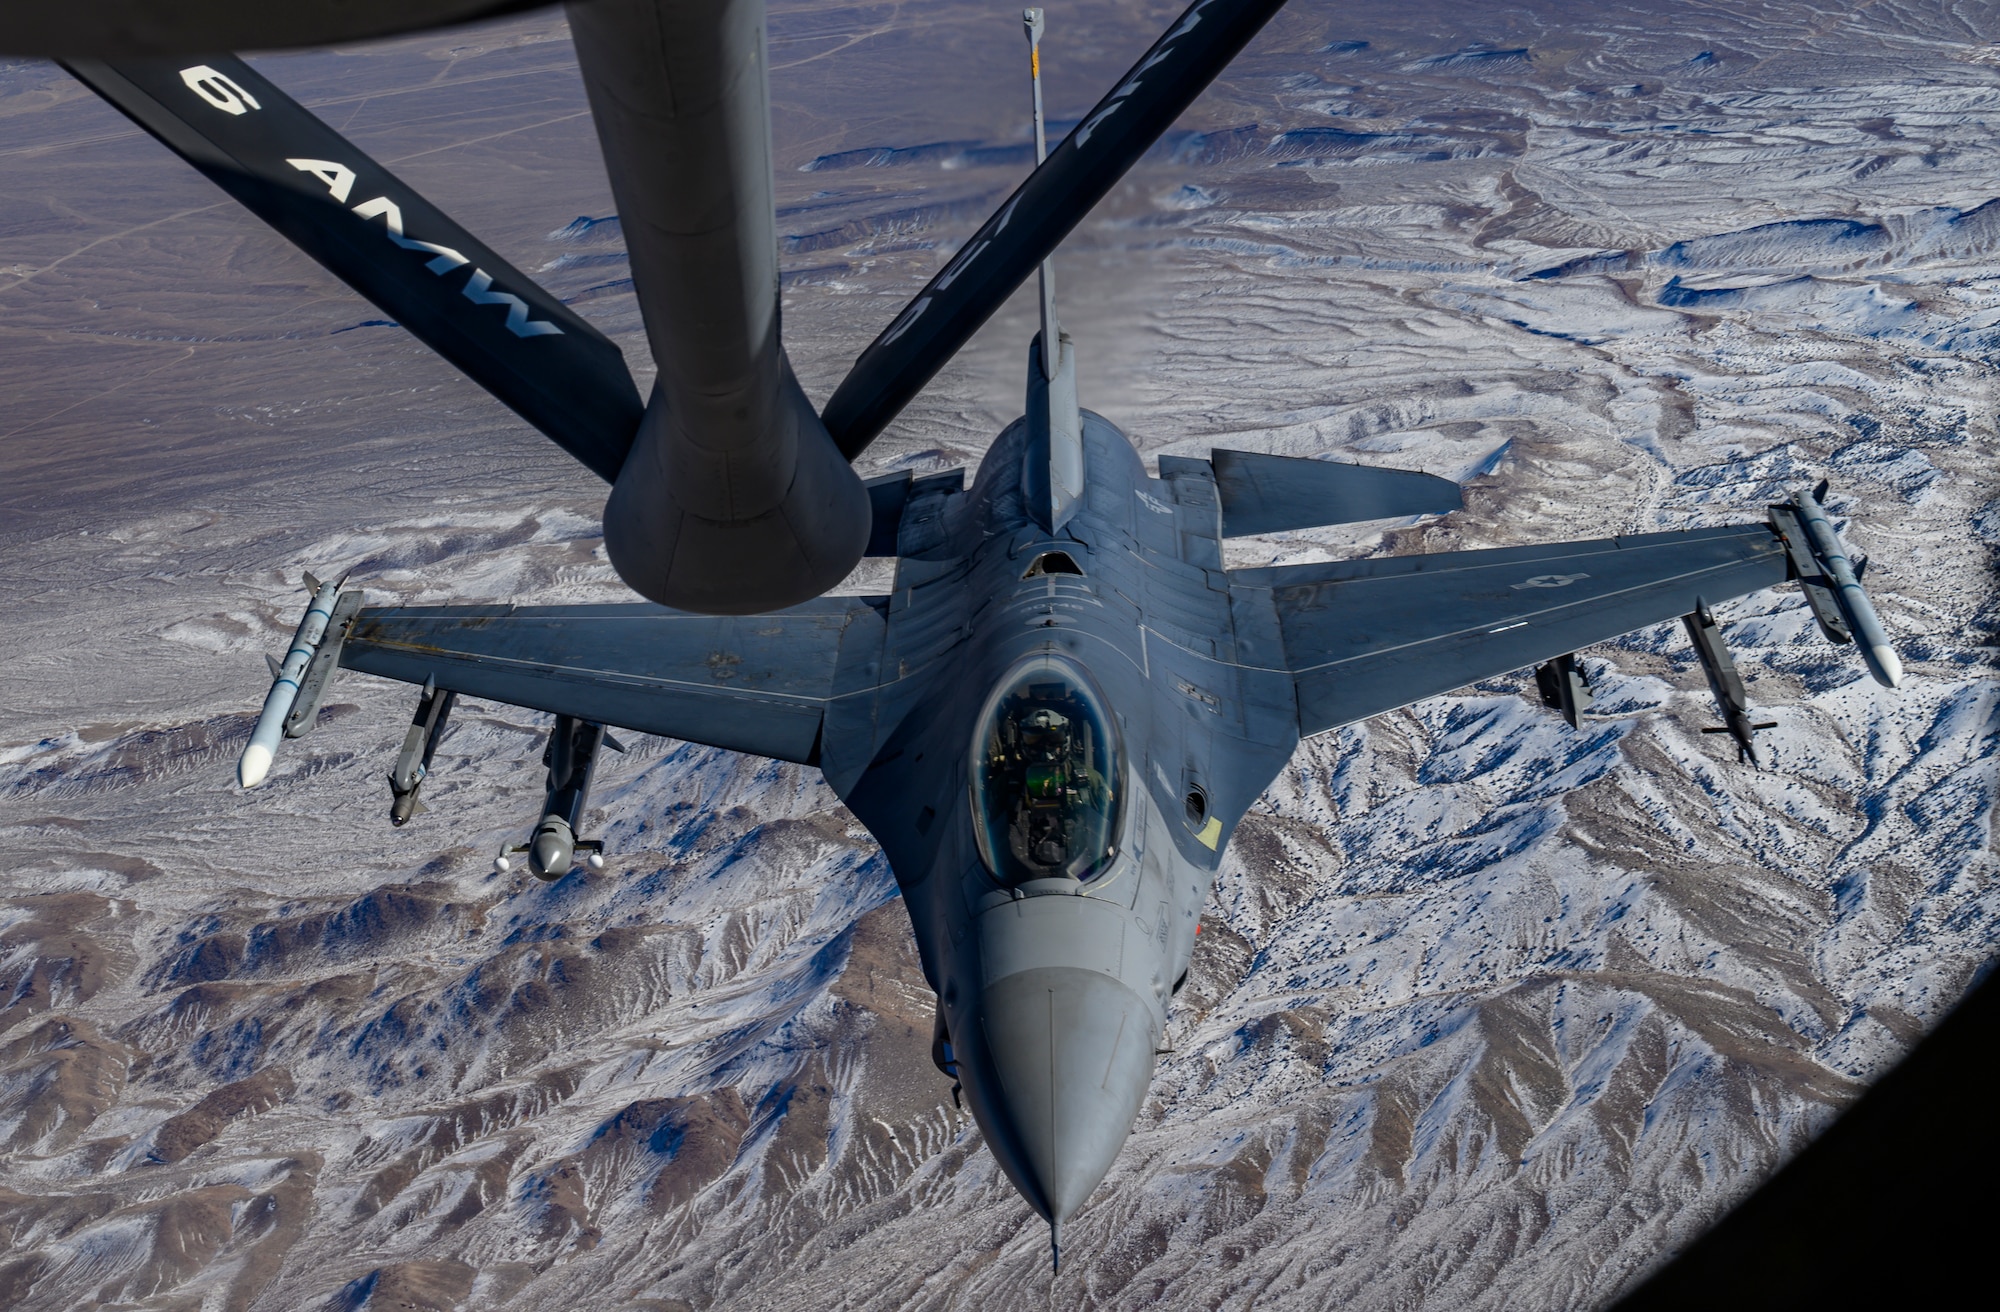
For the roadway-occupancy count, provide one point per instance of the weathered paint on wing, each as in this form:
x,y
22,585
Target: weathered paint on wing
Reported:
x,y
1366,636
757,683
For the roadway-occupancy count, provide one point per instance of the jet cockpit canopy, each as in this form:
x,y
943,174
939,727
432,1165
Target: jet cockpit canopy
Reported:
x,y
1046,776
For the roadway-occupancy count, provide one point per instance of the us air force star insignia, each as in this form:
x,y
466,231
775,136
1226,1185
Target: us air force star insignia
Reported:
x,y
1550,581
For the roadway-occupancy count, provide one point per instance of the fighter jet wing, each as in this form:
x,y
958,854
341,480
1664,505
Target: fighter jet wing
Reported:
x,y
1360,637
750,683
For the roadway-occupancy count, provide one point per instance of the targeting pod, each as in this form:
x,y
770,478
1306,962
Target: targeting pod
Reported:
x,y
285,715
1833,584
420,744
571,756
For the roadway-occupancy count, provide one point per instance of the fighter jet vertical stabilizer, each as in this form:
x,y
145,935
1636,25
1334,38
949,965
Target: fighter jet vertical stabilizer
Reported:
x,y
1055,423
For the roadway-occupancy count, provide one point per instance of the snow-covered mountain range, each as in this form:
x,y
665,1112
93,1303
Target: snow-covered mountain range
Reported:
x,y
1487,1013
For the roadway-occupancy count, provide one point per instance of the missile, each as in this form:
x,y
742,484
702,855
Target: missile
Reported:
x,y
320,670
1854,605
1732,703
413,764
264,739
1812,579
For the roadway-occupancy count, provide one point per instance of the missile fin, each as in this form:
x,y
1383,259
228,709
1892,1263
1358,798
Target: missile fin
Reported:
x,y
1565,688
272,661
325,660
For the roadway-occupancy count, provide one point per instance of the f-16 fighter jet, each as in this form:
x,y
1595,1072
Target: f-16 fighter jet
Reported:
x,y
1057,717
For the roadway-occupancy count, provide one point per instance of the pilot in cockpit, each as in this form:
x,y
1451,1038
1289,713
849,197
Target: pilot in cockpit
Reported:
x,y
1043,790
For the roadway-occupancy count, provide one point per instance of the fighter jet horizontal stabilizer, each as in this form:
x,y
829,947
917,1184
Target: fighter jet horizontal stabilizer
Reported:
x,y
1277,494
897,498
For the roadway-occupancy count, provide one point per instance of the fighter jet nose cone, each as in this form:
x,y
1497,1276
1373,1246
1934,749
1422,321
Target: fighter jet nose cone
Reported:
x,y
256,764
1071,1055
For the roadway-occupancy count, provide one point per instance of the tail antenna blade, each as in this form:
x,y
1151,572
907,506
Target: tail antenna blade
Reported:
x,y
1032,20
1026,229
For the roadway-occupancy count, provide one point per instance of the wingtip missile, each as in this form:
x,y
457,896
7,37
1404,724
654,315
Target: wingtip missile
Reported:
x,y
1844,583
255,764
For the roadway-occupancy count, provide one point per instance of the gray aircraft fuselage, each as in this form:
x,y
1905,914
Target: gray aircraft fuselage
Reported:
x,y
1054,989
